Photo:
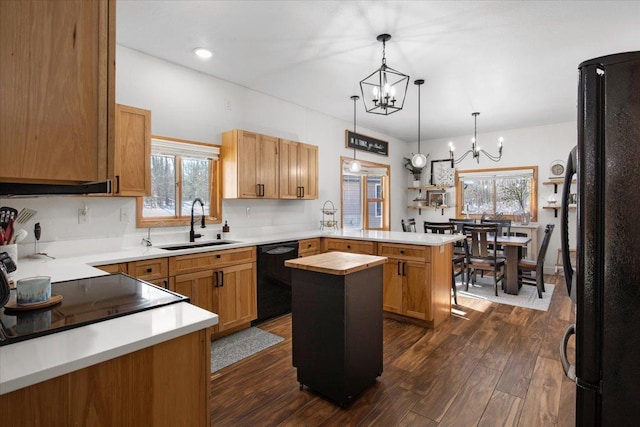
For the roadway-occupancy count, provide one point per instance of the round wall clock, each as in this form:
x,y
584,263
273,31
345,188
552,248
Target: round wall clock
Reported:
x,y
557,168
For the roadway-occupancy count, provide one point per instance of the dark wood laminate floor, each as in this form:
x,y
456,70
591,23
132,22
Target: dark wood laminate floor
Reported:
x,y
488,365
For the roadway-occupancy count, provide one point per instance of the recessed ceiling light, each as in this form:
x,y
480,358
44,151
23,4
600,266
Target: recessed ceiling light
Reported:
x,y
202,52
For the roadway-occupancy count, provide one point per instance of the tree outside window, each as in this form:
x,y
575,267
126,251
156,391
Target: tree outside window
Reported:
x,y
500,192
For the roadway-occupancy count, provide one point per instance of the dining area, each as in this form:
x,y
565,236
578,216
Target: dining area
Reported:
x,y
498,250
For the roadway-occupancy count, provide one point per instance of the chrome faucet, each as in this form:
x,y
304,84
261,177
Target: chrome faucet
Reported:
x,y
192,234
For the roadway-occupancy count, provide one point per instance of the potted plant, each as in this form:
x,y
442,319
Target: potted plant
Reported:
x,y
414,170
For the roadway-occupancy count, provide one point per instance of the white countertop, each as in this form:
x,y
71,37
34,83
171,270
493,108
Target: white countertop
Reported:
x,y
80,265
32,361
38,359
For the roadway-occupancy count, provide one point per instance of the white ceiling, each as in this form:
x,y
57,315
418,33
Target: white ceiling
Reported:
x,y
513,61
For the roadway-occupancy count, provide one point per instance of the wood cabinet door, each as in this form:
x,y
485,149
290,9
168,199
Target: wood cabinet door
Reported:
x,y
268,166
248,158
308,170
197,286
57,103
392,286
132,152
289,186
236,295
416,300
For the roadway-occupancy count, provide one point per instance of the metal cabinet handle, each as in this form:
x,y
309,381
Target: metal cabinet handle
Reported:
x,y
149,270
399,268
222,278
302,192
348,246
404,273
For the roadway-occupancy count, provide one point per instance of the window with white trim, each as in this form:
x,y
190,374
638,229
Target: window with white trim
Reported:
x,y
181,171
365,196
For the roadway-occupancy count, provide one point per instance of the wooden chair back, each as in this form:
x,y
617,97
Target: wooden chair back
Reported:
x,y
480,239
439,227
409,225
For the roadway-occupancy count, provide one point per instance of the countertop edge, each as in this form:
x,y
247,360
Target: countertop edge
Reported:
x,y
15,375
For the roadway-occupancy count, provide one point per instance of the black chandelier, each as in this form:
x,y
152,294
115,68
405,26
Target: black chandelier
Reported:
x,y
475,150
384,90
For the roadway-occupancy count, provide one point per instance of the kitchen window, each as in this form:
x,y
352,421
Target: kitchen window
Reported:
x,y
365,196
180,172
505,192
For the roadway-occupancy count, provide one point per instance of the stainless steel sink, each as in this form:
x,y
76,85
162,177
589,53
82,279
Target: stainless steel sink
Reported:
x,y
179,246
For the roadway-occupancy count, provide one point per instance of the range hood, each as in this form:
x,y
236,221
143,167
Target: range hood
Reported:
x,y
28,189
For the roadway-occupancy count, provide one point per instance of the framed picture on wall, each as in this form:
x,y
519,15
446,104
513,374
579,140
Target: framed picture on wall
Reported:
x,y
442,173
437,198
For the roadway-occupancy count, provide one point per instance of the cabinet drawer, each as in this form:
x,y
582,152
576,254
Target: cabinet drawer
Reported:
x,y
308,246
149,269
404,252
114,268
207,260
355,246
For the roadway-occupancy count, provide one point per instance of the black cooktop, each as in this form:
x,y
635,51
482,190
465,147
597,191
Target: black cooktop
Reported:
x,y
84,301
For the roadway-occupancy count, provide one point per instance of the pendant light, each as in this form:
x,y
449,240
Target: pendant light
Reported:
x,y
419,160
355,165
384,90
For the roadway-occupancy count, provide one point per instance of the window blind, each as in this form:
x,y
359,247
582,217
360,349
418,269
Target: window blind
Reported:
x,y
165,147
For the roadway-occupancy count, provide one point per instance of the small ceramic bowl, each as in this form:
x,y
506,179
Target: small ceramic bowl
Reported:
x,y
32,290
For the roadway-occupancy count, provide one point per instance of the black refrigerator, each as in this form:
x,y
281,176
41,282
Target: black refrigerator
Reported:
x,y
605,284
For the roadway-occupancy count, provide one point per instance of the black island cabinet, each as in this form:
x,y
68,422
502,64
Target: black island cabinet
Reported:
x,y
337,323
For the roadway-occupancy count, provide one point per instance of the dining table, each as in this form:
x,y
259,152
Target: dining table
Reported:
x,y
513,251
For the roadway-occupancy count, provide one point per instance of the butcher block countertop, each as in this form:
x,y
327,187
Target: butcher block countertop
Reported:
x,y
336,263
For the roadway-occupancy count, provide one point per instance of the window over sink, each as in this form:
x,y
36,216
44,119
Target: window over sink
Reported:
x,y
180,172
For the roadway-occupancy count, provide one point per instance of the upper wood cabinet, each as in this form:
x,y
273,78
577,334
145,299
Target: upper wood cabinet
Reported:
x,y
132,152
258,166
298,170
249,165
57,65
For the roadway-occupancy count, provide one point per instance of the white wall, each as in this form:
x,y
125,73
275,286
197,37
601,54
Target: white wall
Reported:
x,y
190,105
539,146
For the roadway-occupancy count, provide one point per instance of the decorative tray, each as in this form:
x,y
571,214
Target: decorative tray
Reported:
x,y
13,304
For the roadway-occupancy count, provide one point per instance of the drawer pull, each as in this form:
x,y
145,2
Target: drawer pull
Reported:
x,y
348,246
218,256
309,245
401,251
149,270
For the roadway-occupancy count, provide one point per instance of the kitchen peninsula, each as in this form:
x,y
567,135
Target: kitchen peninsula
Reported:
x,y
150,348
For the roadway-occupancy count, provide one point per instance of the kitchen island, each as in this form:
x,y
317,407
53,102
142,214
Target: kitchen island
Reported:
x,y
337,322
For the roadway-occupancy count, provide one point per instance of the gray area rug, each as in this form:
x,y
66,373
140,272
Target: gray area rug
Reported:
x,y
235,347
527,297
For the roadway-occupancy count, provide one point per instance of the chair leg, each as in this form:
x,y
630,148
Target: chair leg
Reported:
x,y
495,279
453,286
540,286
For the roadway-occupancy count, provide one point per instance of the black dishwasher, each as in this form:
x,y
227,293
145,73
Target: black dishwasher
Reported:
x,y
274,279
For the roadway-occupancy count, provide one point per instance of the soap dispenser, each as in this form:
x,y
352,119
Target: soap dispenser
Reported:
x,y
225,227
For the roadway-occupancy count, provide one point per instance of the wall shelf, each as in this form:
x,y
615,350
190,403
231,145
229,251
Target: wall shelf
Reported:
x,y
557,208
555,183
427,189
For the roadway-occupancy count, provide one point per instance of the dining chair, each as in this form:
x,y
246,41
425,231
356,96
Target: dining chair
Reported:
x,y
480,257
458,257
528,266
409,225
459,222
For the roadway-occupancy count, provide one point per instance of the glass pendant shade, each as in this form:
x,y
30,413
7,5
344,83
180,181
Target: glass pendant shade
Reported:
x,y
419,160
355,166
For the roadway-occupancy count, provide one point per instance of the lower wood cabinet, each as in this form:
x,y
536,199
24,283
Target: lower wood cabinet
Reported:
x,y
348,245
163,385
223,282
417,281
308,247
